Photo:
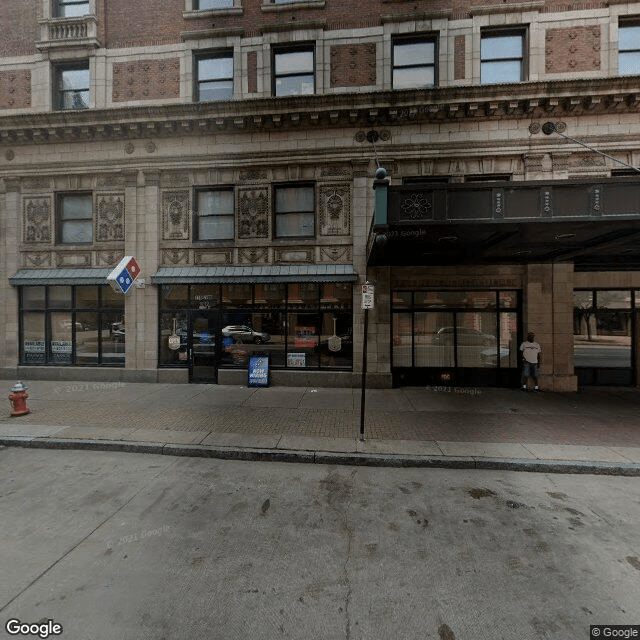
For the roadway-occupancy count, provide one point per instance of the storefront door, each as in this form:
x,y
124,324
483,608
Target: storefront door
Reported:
x,y
204,346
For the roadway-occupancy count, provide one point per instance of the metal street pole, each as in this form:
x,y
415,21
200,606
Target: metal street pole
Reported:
x,y
549,127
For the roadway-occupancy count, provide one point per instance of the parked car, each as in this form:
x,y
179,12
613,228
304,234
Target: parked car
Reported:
x,y
466,337
243,333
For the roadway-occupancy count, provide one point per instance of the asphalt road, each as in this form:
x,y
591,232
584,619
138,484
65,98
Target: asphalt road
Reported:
x,y
130,546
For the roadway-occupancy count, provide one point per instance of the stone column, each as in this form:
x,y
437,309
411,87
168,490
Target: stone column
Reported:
x,y
548,312
10,225
142,204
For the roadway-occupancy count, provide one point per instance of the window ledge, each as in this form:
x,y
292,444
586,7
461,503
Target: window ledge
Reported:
x,y
537,5
212,33
302,4
211,13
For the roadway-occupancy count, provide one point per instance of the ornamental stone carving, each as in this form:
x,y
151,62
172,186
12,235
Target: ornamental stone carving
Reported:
x,y
110,217
175,215
335,210
335,254
253,205
37,220
175,256
253,255
37,259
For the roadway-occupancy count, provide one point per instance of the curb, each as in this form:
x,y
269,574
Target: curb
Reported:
x,y
329,458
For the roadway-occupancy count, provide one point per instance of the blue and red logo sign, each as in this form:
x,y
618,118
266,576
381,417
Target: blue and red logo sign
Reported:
x,y
124,275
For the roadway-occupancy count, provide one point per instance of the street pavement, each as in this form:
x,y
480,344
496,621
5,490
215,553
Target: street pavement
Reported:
x,y
595,430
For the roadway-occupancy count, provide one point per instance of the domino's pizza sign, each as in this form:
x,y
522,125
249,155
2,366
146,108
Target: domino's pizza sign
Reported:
x,y
124,275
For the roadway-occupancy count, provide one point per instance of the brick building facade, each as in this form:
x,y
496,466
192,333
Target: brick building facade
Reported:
x,y
230,146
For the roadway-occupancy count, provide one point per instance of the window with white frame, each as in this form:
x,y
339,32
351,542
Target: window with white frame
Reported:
x,y
72,86
214,77
294,71
75,218
502,57
414,63
294,211
71,8
629,49
215,217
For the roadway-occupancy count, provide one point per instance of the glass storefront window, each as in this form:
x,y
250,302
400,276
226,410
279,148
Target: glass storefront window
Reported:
x,y
583,299
59,297
237,295
111,299
336,295
33,338
302,340
87,338
401,299
508,353
205,296
295,324
110,332
433,339
270,295
61,344
336,341
461,329
33,298
81,334
87,297
402,339
508,299
602,329
476,341
613,299
175,296
303,294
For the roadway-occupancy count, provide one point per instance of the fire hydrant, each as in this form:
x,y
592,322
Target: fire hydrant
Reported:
x,y
18,398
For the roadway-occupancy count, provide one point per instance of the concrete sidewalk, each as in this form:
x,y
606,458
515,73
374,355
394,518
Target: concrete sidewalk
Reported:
x,y
592,431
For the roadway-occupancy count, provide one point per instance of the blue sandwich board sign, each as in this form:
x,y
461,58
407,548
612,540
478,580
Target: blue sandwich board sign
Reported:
x,y
258,371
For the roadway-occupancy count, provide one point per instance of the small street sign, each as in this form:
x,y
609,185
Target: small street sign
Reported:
x,y
368,299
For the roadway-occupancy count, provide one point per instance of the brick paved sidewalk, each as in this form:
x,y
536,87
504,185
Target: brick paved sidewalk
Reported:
x,y
444,421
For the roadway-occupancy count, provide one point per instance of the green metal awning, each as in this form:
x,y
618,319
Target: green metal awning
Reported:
x,y
59,276
273,273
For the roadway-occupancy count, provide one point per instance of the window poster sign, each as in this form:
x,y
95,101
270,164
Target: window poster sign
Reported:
x,y
34,351
296,359
258,371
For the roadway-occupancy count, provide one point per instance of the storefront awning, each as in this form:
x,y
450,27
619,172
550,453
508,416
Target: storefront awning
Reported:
x,y
59,276
273,273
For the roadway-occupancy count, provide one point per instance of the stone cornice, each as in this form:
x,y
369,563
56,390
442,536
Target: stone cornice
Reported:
x,y
362,110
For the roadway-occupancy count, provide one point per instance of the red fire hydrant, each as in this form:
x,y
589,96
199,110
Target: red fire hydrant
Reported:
x,y
18,398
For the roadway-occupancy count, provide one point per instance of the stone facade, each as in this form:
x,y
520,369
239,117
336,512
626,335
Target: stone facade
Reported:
x,y
144,147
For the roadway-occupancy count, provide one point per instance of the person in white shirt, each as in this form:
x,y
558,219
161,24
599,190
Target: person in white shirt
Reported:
x,y
531,352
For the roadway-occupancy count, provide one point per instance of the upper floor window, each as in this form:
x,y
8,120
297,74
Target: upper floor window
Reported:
x,y
214,77
72,87
75,218
502,57
294,71
215,215
203,5
414,63
71,8
629,50
294,211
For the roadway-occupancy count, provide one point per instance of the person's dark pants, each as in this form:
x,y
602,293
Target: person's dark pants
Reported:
x,y
529,370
